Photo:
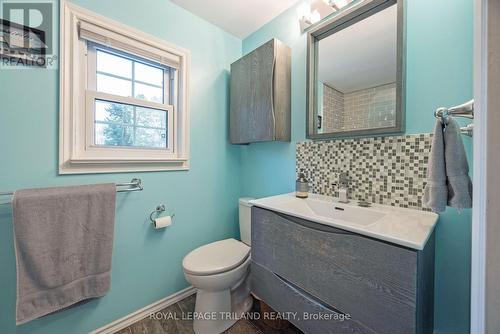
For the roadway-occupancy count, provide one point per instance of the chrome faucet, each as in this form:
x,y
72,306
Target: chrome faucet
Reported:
x,y
343,187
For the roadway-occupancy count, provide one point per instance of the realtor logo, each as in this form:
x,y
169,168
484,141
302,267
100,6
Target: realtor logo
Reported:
x,y
26,34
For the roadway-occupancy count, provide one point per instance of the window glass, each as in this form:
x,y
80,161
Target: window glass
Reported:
x,y
129,76
118,124
149,93
151,117
113,85
115,65
148,74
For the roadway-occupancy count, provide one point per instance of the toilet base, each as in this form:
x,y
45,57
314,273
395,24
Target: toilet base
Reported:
x,y
217,311
212,312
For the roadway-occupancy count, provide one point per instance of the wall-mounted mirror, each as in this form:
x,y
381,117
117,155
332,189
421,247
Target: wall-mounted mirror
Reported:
x,y
356,72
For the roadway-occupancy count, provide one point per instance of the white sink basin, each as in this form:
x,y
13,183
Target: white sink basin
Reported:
x,y
350,214
406,227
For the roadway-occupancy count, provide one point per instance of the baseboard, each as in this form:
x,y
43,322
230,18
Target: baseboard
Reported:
x,y
144,312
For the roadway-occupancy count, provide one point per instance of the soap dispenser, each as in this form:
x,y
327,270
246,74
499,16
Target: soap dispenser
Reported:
x,y
302,186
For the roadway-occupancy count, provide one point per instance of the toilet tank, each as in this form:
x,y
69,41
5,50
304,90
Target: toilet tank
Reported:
x,y
245,210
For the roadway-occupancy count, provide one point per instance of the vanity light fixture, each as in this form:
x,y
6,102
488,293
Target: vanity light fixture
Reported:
x,y
307,17
303,11
315,17
337,4
312,12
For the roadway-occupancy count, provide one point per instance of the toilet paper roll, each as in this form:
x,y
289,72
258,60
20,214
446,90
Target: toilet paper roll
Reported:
x,y
163,222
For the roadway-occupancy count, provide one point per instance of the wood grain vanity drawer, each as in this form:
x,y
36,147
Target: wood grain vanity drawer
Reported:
x,y
305,312
374,281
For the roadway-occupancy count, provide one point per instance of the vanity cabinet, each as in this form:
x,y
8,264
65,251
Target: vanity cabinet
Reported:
x,y
260,95
326,274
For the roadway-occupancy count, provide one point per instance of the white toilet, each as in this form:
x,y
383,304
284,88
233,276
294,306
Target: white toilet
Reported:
x,y
219,271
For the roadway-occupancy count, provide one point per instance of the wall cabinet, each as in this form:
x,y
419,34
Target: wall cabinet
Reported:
x,y
260,95
310,268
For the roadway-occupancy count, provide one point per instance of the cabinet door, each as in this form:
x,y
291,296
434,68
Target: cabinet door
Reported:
x,y
373,281
252,114
282,92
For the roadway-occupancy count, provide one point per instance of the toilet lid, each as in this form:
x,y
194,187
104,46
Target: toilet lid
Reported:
x,y
216,257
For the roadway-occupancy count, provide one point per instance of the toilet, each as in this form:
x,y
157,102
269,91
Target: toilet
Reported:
x,y
219,272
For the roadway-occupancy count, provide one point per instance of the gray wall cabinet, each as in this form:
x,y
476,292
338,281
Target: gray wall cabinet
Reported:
x,y
309,268
260,95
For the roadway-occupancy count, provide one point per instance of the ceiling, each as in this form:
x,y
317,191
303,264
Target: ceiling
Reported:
x,y
238,17
361,56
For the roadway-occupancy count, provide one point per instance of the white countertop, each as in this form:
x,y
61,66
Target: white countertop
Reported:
x,y
405,227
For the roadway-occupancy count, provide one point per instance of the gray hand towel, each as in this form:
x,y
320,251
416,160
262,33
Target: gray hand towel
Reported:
x,y
457,168
63,241
448,181
436,191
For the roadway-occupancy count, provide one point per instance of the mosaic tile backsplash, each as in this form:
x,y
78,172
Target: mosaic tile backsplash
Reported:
x,y
384,170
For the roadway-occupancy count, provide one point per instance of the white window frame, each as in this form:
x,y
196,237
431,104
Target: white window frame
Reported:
x,y
80,29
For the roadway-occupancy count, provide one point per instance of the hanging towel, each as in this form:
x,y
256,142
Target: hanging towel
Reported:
x,y
63,241
436,190
457,168
448,181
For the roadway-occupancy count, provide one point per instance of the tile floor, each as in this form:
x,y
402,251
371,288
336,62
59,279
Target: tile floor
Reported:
x,y
168,325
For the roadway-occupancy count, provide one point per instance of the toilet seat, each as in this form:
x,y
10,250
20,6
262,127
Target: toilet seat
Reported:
x,y
216,257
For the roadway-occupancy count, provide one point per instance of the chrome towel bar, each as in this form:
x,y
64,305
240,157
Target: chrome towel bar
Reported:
x,y
465,110
133,185
467,130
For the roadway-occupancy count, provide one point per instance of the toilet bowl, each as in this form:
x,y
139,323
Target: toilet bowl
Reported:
x,y
219,272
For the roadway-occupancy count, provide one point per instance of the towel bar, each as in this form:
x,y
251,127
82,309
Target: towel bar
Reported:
x,y
467,130
465,110
133,185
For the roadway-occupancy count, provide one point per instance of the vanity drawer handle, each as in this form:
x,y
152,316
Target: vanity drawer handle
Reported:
x,y
308,296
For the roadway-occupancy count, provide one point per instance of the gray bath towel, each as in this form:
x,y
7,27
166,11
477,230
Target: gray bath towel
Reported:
x,y
448,181
63,241
436,191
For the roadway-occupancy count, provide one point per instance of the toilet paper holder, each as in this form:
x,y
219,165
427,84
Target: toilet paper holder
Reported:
x,y
159,209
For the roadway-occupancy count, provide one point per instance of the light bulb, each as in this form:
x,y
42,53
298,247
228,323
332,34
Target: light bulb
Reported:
x,y
304,11
340,3
315,17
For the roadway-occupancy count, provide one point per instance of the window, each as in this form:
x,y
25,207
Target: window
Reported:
x,y
114,74
123,98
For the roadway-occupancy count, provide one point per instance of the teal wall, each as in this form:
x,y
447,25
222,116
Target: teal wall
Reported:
x,y
146,263
439,72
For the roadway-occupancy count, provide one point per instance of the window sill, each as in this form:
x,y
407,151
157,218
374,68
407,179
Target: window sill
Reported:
x,y
110,166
